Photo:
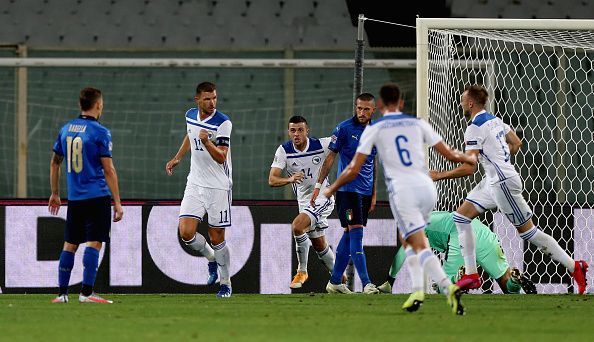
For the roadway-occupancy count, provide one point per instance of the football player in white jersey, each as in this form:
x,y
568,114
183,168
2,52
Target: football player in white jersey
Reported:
x,y
302,158
400,142
493,142
208,187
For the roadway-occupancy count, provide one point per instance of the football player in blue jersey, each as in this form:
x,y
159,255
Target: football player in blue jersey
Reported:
x,y
354,200
92,181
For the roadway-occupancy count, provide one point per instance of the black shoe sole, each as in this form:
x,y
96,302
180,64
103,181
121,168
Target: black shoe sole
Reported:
x,y
416,306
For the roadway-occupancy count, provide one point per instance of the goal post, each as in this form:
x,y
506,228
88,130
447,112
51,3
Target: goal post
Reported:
x,y
540,79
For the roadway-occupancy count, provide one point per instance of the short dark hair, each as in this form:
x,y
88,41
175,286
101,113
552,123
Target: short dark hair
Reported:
x,y
297,119
365,97
478,93
206,87
390,94
88,97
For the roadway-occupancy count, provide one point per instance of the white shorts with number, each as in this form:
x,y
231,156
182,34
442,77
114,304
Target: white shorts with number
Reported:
x,y
505,195
198,201
412,205
318,215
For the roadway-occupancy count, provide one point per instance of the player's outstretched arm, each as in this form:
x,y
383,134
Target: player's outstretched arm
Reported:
x,y
183,149
347,175
54,200
323,173
513,141
468,160
275,178
111,177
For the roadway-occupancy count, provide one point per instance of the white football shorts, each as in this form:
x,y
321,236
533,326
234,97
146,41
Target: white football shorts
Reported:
x,y
506,195
199,201
318,215
412,205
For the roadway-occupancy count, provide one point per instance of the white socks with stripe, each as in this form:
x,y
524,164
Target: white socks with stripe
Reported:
x,y
222,256
432,267
548,246
199,244
414,269
302,249
327,258
467,242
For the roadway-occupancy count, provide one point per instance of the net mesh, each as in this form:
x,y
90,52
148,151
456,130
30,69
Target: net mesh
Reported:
x,y
541,83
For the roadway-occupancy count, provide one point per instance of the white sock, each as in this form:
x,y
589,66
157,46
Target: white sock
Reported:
x,y
432,267
467,242
327,258
302,249
548,246
414,269
198,243
221,253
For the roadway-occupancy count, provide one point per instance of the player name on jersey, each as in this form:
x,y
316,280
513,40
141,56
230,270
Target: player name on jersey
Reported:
x,y
77,128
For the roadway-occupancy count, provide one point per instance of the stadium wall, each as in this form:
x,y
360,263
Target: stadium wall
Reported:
x,y
145,254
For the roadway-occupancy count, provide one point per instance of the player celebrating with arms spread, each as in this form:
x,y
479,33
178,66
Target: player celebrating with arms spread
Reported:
x,y
399,139
302,158
208,188
92,180
493,142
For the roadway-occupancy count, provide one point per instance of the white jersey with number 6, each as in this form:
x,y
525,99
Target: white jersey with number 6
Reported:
x,y
399,139
204,170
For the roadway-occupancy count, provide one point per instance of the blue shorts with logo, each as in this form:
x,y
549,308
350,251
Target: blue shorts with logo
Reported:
x,y
353,208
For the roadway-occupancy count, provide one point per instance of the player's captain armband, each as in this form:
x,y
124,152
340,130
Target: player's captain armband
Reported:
x,y
223,141
318,186
471,142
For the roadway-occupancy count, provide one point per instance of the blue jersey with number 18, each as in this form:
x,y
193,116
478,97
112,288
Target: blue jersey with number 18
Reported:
x,y
400,141
82,142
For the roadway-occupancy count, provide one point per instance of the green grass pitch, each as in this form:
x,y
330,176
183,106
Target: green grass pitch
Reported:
x,y
298,317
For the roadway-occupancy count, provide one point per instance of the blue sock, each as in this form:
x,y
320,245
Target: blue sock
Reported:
x,y
342,259
358,255
90,262
64,270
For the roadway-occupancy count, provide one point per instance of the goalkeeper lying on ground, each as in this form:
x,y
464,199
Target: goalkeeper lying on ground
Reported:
x,y
443,237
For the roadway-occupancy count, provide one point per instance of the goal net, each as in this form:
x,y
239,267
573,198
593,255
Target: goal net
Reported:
x,y
540,78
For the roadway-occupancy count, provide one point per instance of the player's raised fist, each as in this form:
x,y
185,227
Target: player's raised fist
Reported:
x,y
203,136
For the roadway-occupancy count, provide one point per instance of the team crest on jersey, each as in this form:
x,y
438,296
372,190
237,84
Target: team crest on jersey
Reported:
x,y
316,160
